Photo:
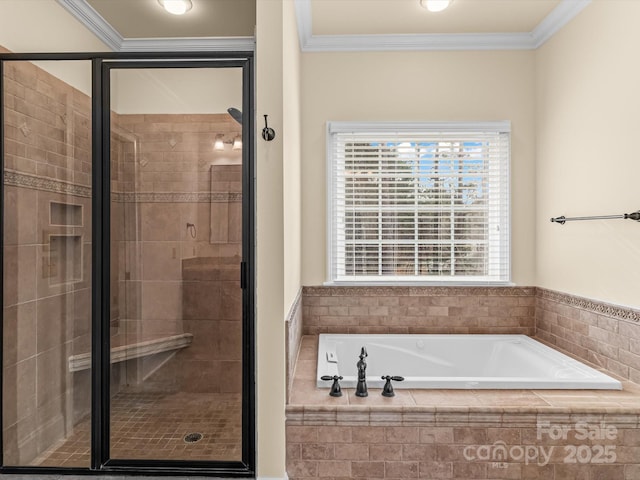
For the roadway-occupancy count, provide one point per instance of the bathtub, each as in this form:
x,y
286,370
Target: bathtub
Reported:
x,y
456,361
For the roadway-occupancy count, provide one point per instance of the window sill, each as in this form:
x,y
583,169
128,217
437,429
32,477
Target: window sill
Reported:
x,y
416,284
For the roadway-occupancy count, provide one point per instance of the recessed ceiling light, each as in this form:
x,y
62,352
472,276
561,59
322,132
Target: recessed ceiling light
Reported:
x,y
176,7
435,5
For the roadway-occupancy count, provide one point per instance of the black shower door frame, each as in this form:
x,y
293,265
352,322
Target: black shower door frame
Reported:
x,y
102,64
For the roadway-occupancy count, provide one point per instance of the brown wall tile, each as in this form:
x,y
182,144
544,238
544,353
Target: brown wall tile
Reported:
x,y
594,331
426,310
367,469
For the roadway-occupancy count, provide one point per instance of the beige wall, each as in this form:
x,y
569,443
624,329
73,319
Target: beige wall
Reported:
x,y
588,81
291,156
270,348
209,90
278,219
430,86
45,26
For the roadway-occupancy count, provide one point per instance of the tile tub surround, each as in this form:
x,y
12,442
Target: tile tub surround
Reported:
x,y
603,334
293,330
418,310
597,332
424,433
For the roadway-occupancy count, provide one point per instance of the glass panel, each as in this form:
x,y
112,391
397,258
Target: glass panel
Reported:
x,y
46,387
176,382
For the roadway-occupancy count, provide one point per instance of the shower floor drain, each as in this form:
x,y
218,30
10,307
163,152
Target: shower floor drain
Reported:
x,y
192,437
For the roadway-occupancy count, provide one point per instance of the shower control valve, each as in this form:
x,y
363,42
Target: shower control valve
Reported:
x,y
387,390
335,391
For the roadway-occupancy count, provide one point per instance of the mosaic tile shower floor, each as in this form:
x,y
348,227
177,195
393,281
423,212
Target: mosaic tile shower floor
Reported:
x,y
152,426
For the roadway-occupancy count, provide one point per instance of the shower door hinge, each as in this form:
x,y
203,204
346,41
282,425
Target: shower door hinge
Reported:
x,y
243,275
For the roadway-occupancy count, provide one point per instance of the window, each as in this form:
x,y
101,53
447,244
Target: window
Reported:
x,y
419,202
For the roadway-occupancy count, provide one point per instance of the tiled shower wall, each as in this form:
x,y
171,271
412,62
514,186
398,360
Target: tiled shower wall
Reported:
x,y
46,302
175,185
183,259
212,309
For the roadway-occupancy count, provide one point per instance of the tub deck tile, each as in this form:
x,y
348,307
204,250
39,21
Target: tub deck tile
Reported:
x,y
497,398
445,398
430,407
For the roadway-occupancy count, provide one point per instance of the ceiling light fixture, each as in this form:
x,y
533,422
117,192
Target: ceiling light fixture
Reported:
x,y
232,140
176,7
435,5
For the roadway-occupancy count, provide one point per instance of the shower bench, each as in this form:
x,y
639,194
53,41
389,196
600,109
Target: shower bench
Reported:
x,y
143,348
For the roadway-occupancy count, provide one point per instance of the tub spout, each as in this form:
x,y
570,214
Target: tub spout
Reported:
x,y
361,387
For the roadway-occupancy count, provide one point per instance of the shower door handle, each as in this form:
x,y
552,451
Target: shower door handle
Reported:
x,y
243,275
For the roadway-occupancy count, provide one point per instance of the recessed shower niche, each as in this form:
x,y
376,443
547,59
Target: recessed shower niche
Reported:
x,y
62,262
65,214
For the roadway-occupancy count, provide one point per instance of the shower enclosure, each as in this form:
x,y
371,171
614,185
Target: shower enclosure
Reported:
x,y
127,233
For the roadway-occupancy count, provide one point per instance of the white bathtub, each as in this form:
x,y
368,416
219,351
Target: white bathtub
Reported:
x,y
456,361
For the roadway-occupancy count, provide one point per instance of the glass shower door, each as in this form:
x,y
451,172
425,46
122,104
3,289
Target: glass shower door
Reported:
x,y
176,251
46,249
126,241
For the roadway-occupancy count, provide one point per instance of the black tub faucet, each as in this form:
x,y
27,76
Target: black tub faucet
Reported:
x,y
335,391
361,387
387,390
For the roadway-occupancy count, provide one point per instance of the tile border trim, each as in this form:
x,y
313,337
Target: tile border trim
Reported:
x,y
295,307
178,197
19,179
602,308
302,415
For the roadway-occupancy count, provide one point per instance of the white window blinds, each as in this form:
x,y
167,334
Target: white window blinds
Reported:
x,y
419,202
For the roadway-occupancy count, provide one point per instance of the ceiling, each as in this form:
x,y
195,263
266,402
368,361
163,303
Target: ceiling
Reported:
x,y
348,17
207,18
329,25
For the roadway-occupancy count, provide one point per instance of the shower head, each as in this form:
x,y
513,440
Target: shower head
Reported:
x,y
236,114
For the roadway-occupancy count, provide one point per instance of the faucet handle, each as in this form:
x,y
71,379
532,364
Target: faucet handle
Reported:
x,y
335,391
387,390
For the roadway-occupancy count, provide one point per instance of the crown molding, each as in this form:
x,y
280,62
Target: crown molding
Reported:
x,y
303,18
183,44
557,18
97,25
427,41
94,22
